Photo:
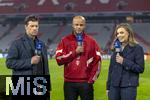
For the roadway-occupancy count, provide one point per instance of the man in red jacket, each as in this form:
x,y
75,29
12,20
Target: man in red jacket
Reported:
x,y
80,55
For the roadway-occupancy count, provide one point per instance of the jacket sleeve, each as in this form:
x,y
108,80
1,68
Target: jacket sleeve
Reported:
x,y
45,60
62,56
109,75
13,61
137,65
96,64
47,68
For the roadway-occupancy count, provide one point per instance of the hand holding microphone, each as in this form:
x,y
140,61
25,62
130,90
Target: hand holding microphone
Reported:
x,y
79,48
35,59
119,59
38,50
117,45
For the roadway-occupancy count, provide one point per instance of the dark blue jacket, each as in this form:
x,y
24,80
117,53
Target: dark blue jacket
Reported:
x,y
20,54
127,74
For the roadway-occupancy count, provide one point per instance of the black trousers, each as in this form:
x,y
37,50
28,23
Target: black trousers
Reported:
x,y
72,90
122,93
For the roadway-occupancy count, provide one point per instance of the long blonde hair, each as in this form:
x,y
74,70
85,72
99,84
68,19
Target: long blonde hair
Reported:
x,y
131,39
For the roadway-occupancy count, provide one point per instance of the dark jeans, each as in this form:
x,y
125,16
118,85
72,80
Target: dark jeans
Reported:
x,y
122,93
72,90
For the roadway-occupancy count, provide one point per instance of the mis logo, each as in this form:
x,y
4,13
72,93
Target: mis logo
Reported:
x,y
27,85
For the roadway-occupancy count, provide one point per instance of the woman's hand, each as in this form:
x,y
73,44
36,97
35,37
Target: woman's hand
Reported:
x,y
119,59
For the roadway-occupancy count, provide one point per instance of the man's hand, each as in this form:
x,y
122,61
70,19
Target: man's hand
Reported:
x,y
35,59
79,49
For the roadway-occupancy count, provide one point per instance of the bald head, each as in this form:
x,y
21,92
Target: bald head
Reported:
x,y
79,18
78,24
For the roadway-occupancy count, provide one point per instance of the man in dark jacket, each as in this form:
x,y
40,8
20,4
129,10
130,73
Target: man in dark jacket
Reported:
x,y
28,55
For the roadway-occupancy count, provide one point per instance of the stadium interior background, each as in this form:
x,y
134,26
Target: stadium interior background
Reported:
x,y
56,16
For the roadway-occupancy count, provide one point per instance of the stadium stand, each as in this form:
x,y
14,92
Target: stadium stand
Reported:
x,y
101,32
56,16
55,6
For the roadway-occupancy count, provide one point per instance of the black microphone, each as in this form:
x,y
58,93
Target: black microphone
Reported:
x,y
117,45
38,47
79,39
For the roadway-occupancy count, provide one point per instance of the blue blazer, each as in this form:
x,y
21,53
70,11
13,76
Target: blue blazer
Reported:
x,y
19,57
126,74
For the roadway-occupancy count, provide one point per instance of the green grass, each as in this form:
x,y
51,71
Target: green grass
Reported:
x,y
99,86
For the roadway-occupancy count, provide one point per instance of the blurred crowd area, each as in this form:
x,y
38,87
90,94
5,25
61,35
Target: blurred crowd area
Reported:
x,y
56,16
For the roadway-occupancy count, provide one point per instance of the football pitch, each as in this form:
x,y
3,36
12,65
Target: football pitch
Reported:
x,y
56,73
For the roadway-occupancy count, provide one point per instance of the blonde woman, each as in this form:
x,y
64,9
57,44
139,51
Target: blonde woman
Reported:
x,y
125,66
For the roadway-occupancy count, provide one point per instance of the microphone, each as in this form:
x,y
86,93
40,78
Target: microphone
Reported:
x,y
117,45
38,48
79,39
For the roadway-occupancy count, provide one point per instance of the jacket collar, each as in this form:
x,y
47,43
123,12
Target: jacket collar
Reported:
x,y
127,50
28,44
83,34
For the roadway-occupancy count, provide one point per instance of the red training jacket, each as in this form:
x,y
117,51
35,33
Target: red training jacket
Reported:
x,y
79,68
